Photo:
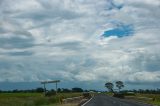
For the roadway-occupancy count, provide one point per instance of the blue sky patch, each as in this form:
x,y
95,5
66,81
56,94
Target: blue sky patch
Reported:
x,y
120,31
113,5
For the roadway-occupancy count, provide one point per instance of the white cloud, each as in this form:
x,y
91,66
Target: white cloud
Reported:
x,y
66,40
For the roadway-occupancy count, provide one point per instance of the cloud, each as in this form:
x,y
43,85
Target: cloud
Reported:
x,y
44,40
16,42
24,53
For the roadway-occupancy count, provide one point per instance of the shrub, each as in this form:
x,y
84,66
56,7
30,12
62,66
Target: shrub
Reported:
x,y
129,94
86,95
50,93
118,95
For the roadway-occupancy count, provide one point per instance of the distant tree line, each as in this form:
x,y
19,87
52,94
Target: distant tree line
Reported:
x,y
144,91
76,89
25,91
39,90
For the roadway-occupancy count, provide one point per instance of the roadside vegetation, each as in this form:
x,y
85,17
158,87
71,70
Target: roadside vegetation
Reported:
x,y
146,96
34,98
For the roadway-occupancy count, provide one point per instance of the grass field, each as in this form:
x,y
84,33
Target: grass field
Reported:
x,y
155,98
146,98
32,99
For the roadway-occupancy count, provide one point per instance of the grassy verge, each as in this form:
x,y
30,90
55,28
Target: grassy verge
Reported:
x,y
155,98
147,98
31,99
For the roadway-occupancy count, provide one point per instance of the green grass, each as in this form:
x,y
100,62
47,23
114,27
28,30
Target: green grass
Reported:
x,y
31,99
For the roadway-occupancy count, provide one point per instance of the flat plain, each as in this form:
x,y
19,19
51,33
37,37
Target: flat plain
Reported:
x,y
33,99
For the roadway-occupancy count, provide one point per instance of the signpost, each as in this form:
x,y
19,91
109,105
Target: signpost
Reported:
x,y
46,82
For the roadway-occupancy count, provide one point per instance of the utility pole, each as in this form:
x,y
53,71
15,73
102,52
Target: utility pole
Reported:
x,y
44,86
56,87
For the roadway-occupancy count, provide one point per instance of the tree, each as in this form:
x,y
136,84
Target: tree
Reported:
x,y
66,90
59,90
109,86
119,85
39,90
77,90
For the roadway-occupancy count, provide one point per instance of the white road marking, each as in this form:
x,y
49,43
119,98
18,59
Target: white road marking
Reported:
x,y
87,102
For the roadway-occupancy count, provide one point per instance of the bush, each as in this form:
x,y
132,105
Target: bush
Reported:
x,y
86,95
39,90
118,95
129,94
50,93
77,90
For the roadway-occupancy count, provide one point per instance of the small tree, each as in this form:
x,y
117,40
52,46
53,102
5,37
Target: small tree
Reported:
x,y
109,86
119,85
77,90
39,90
59,90
66,90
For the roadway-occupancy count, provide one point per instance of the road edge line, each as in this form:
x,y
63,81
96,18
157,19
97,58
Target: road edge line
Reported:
x,y
87,102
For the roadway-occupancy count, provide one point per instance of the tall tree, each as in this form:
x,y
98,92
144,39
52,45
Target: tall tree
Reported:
x,y
109,86
119,85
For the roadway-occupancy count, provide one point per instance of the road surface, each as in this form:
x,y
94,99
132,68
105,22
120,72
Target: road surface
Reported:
x,y
103,100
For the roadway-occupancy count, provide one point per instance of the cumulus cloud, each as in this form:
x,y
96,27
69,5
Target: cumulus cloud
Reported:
x,y
62,39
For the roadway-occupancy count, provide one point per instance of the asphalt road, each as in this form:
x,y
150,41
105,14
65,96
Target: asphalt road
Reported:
x,y
103,100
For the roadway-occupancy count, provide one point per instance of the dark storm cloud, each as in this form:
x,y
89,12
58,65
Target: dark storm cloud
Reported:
x,y
16,42
22,53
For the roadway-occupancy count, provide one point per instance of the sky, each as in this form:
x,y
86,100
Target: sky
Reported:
x,y
83,43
